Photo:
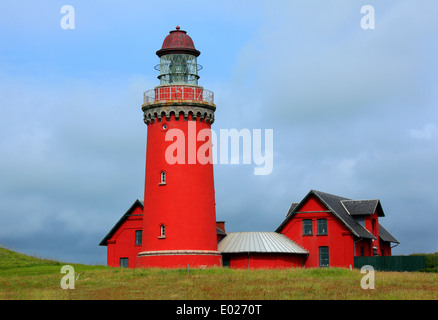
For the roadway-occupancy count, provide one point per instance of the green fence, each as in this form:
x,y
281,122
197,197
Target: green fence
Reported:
x,y
392,263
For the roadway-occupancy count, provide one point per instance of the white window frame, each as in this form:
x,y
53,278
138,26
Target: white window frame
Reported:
x,y
162,178
162,232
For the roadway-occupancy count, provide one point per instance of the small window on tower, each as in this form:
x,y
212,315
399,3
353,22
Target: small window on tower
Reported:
x,y
162,178
162,232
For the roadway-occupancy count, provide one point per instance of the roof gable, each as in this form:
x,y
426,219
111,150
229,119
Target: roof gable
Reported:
x,y
363,207
335,206
121,220
334,203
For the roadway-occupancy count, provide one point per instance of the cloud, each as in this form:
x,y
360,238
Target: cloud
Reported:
x,y
321,65
340,100
427,132
67,149
353,113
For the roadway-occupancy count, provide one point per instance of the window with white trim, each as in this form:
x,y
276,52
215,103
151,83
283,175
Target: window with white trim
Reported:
x,y
162,177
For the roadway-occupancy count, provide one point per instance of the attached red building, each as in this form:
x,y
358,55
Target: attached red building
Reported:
x,y
334,229
252,250
124,241
323,230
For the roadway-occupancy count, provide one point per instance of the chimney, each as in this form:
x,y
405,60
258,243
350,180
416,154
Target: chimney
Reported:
x,y
221,225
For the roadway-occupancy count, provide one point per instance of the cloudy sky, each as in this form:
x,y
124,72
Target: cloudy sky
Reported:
x,y
354,112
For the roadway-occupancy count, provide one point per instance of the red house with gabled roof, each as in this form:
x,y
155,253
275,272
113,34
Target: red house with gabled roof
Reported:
x,y
124,241
335,229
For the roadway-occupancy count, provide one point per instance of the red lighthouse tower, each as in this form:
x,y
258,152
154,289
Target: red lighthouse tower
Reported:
x,y
179,219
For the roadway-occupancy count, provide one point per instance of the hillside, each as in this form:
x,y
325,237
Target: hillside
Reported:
x,y
10,259
25,277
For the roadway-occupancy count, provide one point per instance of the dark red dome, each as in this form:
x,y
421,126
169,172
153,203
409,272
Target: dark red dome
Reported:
x,y
178,42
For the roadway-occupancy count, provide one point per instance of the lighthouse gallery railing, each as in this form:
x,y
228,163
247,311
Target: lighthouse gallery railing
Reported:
x,y
178,92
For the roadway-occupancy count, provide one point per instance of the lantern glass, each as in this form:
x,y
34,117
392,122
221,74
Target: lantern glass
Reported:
x,y
178,68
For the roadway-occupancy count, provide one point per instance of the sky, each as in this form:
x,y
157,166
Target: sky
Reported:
x,y
354,112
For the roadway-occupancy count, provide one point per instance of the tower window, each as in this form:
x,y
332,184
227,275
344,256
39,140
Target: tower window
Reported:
x,y
162,232
162,178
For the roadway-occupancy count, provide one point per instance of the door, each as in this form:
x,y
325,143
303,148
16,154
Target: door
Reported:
x,y
124,262
323,256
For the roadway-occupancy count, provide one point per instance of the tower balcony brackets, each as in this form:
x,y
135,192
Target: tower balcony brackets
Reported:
x,y
199,111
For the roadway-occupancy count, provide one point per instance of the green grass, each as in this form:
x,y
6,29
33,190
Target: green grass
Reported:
x,y
24,277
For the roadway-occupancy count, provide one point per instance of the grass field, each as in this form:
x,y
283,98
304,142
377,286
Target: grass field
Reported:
x,y
25,277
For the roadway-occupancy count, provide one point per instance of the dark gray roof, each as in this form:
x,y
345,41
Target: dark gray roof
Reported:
x,y
385,235
334,204
262,242
219,231
363,207
346,209
292,207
